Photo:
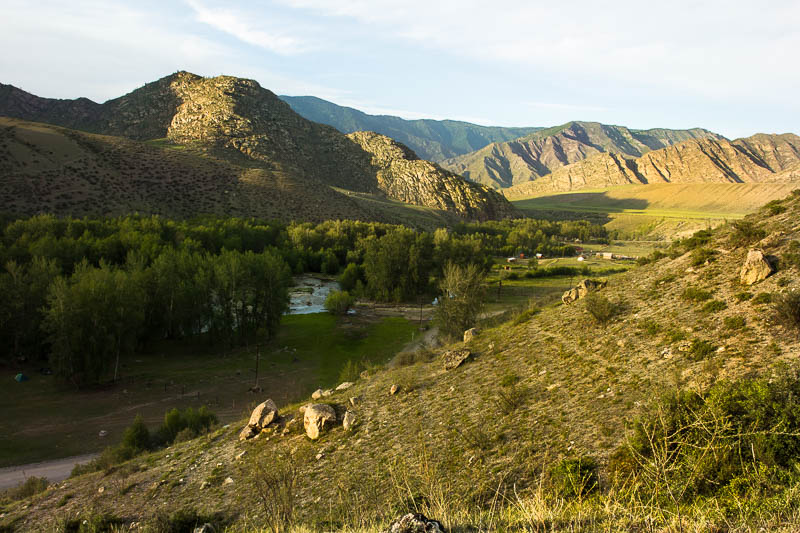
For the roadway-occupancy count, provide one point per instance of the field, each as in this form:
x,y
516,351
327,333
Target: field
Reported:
x,y
309,352
660,210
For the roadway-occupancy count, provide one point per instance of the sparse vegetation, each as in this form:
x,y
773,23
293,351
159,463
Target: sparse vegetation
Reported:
x,y
787,309
601,309
746,232
339,302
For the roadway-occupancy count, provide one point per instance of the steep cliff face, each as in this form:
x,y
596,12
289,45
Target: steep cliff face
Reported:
x,y
755,159
539,154
403,176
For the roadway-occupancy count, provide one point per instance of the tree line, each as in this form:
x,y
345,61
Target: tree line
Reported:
x,y
85,293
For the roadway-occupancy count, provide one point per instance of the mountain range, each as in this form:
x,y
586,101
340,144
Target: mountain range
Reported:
x,y
223,125
433,140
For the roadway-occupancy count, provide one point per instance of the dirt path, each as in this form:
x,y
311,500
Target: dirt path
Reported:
x,y
56,470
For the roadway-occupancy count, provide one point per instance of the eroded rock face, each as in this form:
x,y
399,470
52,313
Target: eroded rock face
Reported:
x,y
583,288
755,268
263,415
415,523
455,358
316,418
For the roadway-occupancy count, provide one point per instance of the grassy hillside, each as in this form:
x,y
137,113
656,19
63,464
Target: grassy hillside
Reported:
x,y
502,441
431,139
657,210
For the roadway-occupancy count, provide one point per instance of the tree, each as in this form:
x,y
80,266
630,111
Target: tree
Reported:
x,y
461,298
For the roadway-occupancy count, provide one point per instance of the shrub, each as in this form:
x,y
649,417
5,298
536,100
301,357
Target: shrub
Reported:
x,y
762,298
601,308
694,294
714,306
746,232
575,477
649,326
701,349
339,302
702,255
175,421
30,487
734,322
787,309
743,296
350,371
775,207
94,522
137,436
511,395
182,520
350,277
698,239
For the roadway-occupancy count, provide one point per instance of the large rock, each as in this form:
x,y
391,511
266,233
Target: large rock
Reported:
x,y
755,268
454,358
316,417
349,421
247,433
415,523
263,415
582,289
470,334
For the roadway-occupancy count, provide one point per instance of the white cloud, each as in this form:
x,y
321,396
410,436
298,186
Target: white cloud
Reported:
x,y
241,27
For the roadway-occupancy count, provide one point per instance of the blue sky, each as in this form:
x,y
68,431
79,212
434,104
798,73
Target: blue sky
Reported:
x,y
729,66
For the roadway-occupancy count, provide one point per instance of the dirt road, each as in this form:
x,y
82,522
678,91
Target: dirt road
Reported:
x,y
56,470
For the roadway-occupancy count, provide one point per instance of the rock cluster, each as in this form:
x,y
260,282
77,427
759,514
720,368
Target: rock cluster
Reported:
x,y
582,289
415,523
455,358
262,416
316,417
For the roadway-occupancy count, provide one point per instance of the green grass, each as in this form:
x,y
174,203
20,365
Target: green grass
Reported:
x,y
308,352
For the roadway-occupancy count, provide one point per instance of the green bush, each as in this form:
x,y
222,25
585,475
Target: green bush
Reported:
x,y
701,349
746,232
350,371
714,306
575,477
31,486
600,307
694,294
197,421
94,522
137,436
734,322
787,309
775,207
762,298
743,296
649,326
183,520
702,255
339,302
692,444
350,277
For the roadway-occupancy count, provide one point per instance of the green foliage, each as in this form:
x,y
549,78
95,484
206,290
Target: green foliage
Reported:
x,y
734,323
350,371
601,308
197,421
692,444
775,207
397,266
787,309
339,302
511,395
30,487
693,294
714,306
350,277
460,299
762,298
700,256
743,296
745,232
649,327
137,436
183,520
94,522
575,477
701,349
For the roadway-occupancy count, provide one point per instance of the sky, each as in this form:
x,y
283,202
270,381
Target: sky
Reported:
x,y
728,66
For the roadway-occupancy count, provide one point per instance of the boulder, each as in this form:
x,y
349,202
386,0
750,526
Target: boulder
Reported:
x,y
263,415
317,394
247,433
454,358
582,289
415,523
349,421
470,334
393,389
316,417
205,528
344,386
755,268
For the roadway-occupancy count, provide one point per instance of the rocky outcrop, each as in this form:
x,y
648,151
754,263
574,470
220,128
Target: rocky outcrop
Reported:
x,y
756,267
415,523
263,415
501,165
454,358
582,289
405,177
316,418
760,158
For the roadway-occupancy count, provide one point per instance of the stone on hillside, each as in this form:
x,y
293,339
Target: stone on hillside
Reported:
x,y
344,386
393,389
247,433
205,528
317,394
316,417
355,400
326,393
470,334
582,289
228,481
755,268
454,358
415,523
263,415
349,421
